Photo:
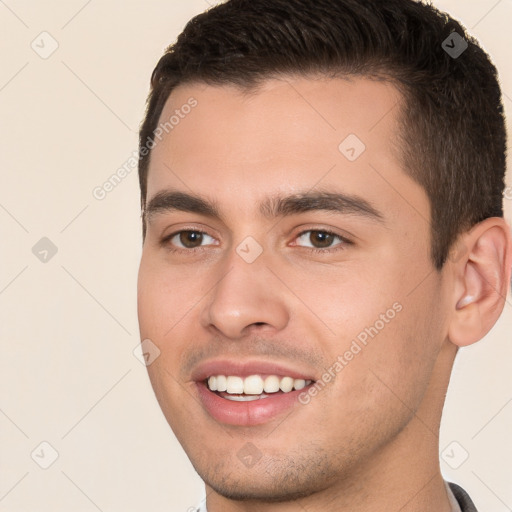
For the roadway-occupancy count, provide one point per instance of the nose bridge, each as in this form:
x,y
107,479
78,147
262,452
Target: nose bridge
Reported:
x,y
245,294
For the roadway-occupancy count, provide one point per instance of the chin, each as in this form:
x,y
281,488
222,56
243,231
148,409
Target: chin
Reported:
x,y
271,479
251,489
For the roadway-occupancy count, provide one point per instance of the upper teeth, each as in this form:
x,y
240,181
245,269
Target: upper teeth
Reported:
x,y
254,384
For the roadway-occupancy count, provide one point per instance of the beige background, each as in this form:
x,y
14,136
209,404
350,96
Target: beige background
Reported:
x,y
68,375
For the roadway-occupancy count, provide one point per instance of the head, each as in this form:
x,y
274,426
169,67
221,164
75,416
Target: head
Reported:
x,y
343,127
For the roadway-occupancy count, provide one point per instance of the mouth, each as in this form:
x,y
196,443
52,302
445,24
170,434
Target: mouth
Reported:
x,y
249,393
253,387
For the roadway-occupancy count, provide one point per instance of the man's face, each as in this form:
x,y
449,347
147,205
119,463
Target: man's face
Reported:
x,y
291,297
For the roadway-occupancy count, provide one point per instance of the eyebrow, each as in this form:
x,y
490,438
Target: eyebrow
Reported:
x,y
275,206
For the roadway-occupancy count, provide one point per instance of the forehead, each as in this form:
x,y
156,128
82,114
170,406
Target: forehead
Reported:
x,y
289,135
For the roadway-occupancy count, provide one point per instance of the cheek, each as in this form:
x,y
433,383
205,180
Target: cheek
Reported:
x,y
168,306
161,305
345,300
401,357
165,295
387,337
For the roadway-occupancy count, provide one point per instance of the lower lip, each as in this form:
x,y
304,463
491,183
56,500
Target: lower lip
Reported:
x,y
255,412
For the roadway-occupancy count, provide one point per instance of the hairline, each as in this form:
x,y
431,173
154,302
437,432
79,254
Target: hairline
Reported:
x,y
253,86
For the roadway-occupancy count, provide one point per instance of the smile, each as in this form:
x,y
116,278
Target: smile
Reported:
x,y
253,387
249,392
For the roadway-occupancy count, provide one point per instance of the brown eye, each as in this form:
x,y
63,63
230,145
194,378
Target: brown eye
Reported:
x,y
190,239
187,240
321,239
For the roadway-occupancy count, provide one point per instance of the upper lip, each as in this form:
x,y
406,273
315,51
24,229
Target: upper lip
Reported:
x,y
244,368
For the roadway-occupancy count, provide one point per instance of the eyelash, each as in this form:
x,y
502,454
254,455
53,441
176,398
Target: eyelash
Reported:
x,y
165,242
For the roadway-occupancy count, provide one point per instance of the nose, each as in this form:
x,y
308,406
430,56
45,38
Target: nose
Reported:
x,y
247,296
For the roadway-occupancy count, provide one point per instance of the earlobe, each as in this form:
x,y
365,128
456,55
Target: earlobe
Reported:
x,y
481,281
467,327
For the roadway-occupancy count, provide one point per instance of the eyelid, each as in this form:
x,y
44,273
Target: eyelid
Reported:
x,y
165,240
196,228
344,239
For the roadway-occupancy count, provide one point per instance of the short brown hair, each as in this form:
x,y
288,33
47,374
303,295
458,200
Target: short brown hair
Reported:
x,y
453,129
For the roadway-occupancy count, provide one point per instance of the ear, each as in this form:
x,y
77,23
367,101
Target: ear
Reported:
x,y
481,271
